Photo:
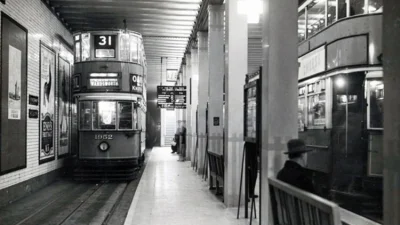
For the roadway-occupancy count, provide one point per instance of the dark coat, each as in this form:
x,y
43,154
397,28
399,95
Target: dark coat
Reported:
x,y
293,174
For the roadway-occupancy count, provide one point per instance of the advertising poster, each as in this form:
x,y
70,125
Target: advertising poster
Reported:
x,y
14,83
64,99
13,86
47,86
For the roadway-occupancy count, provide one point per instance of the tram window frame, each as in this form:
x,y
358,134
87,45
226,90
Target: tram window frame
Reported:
x,y
119,115
93,115
313,88
76,82
80,115
368,96
78,54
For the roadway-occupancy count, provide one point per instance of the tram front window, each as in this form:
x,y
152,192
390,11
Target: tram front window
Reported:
x,y
85,115
104,115
125,115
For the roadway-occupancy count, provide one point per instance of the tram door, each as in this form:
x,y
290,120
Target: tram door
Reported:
x,y
347,142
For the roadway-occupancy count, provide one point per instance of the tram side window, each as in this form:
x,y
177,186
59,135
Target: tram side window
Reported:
x,y
135,118
316,102
342,11
331,11
85,47
124,47
104,115
376,96
357,7
125,115
134,48
85,113
301,35
375,6
315,16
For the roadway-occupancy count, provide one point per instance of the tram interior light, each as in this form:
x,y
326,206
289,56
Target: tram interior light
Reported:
x,y
340,82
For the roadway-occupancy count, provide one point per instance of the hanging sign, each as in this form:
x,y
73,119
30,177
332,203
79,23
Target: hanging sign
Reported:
x,y
171,97
172,75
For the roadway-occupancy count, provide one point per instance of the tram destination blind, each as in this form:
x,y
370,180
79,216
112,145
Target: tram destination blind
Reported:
x,y
171,97
104,46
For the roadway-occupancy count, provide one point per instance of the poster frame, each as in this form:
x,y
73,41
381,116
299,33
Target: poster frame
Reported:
x,y
60,156
4,15
42,44
251,84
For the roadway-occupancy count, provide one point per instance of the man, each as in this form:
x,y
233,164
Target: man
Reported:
x,y
294,172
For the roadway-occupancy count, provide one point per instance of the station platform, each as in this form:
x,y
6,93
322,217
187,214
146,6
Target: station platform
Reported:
x,y
171,192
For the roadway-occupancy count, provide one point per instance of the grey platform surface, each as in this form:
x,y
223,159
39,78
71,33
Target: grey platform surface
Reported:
x,y
170,192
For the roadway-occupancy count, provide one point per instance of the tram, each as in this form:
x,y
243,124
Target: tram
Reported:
x,y
109,88
340,102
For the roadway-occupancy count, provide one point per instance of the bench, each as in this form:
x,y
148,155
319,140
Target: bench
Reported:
x,y
293,206
216,163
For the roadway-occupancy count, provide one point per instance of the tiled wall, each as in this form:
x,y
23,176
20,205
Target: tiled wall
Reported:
x,y
42,26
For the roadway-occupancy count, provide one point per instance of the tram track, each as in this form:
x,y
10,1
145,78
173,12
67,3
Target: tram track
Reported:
x,y
74,203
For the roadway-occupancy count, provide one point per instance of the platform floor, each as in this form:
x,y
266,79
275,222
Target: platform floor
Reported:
x,y
170,192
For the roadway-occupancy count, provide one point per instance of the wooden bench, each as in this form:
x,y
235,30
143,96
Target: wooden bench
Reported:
x,y
216,163
293,206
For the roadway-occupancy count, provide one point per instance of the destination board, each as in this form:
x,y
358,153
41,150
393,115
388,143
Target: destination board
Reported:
x,y
165,96
180,97
171,97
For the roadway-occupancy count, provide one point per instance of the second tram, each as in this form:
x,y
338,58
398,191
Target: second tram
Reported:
x,y
109,86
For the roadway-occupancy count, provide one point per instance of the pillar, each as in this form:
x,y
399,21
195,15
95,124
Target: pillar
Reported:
x,y
163,111
236,69
279,89
391,76
203,98
195,98
216,77
188,81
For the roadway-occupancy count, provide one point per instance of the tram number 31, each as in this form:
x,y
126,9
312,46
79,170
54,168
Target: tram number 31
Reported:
x,y
103,40
103,136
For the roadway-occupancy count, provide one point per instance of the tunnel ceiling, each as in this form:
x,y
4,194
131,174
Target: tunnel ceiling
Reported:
x,y
166,25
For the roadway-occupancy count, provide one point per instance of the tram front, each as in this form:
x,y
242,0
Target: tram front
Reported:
x,y
109,87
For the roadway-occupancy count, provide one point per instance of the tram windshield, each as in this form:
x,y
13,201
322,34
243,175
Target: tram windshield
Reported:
x,y
108,115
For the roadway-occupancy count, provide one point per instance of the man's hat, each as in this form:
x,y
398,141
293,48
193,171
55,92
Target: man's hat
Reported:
x,y
296,146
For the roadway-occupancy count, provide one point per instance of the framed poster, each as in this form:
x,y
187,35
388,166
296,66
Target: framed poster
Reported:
x,y
13,113
64,104
47,103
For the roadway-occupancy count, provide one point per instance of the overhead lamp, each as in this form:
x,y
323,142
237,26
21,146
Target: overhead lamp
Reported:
x,y
252,8
340,82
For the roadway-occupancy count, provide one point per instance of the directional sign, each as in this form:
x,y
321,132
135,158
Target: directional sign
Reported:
x,y
171,97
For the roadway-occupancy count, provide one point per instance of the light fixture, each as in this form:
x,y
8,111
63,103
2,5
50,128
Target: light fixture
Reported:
x,y
104,146
252,8
340,82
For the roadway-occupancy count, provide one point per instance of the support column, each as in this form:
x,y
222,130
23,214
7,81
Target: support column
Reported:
x,y
216,76
279,90
391,76
203,98
188,74
236,69
195,98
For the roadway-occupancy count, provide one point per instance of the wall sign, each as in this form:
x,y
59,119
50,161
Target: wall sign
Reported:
x,y
33,100
172,75
104,46
47,103
216,121
33,114
13,115
312,63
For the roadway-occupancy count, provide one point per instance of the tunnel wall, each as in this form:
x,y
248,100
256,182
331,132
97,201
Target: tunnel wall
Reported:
x,y
42,27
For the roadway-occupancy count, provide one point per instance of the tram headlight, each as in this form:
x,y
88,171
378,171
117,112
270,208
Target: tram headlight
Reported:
x,y
104,146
